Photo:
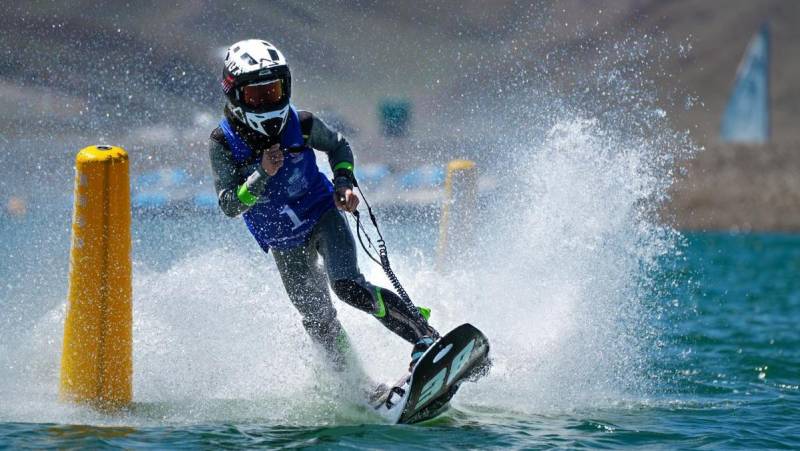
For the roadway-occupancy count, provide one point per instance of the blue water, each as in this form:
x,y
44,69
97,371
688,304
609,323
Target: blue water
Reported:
x,y
723,370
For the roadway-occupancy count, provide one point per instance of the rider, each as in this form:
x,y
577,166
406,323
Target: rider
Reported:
x,y
265,169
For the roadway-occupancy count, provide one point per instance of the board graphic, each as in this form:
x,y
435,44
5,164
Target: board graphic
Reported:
x,y
460,355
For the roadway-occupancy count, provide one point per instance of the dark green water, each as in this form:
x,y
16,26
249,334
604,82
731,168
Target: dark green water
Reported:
x,y
725,369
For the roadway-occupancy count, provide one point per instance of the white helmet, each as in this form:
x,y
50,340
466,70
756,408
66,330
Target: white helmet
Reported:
x,y
258,84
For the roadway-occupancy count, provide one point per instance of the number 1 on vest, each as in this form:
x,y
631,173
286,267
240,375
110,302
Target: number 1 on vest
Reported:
x,y
292,215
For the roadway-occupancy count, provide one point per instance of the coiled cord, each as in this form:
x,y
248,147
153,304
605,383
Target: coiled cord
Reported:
x,y
383,253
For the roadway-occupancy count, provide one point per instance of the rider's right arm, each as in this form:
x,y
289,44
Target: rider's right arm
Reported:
x,y
234,195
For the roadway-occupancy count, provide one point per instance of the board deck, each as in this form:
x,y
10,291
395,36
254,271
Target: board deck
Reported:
x,y
426,392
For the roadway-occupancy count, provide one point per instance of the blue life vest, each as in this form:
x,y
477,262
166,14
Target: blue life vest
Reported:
x,y
294,198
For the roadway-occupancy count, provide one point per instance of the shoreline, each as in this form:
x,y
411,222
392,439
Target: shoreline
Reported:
x,y
744,188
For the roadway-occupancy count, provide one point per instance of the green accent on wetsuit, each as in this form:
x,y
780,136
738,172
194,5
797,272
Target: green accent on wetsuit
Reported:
x,y
245,197
344,165
343,342
381,307
425,312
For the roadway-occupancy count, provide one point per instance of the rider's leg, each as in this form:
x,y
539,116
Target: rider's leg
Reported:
x,y
305,283
338,249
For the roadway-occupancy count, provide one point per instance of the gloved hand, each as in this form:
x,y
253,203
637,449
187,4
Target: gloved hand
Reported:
x,y
343,194
272,160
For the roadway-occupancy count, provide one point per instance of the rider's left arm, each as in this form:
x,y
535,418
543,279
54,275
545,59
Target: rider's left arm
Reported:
x,y
320,136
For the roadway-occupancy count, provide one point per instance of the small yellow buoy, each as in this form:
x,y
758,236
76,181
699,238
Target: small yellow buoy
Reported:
x,y
456,226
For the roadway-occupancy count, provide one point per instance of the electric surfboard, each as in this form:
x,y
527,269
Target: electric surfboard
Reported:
x,y
425,393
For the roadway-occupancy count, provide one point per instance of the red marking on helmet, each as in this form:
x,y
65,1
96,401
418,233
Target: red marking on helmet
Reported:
x,y
227,83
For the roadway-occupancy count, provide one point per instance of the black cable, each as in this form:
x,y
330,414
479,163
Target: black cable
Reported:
x,y
383,252
359,229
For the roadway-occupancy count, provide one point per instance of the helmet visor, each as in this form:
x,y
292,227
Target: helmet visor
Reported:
x,y
264,94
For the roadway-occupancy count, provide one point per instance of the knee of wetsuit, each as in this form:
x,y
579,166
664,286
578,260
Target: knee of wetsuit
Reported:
x,y
354,294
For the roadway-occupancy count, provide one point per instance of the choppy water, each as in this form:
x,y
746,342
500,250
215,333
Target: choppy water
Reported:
x,y
608,328
214,364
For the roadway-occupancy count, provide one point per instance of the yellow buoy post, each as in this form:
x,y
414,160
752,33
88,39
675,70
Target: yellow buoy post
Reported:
x,y
96,362
456,226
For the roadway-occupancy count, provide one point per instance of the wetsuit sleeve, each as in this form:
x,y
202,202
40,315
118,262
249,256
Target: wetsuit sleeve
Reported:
x,y
235,195
320,136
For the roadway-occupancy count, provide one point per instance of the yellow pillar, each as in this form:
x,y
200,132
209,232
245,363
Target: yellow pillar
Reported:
x,y
456,226
96,362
